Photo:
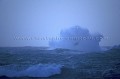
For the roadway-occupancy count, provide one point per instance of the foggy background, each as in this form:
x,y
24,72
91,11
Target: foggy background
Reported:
x,y
45,18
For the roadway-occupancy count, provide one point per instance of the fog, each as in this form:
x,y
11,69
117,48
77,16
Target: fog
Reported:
x,y
37,18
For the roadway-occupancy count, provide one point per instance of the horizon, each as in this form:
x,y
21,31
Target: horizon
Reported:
x,y
45,18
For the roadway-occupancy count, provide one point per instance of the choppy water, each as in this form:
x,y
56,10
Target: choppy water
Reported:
x,y
32,63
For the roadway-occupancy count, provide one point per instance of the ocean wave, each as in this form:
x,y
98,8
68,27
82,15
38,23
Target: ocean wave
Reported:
x,y
39,70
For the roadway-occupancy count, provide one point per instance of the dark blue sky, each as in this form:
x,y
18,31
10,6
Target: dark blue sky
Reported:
x,y
36,18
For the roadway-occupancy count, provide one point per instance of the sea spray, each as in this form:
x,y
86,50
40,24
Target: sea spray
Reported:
x,y
39,70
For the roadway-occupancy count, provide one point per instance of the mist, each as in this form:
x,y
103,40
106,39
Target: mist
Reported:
x,y
77,38
46,18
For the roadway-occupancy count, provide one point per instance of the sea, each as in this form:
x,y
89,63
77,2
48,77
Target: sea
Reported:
x,y
45,63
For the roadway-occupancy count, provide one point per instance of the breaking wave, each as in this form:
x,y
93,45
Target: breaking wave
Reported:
x,y
39,70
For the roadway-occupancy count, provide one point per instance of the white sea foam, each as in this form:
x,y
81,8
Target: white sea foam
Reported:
x,y
77,38
39,70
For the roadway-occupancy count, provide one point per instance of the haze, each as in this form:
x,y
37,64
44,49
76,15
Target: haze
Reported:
x,y
36,18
